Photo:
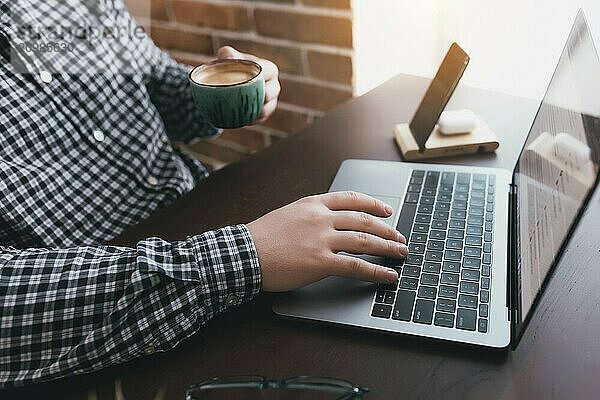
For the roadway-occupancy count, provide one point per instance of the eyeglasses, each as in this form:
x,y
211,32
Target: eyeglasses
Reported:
x,y
255,387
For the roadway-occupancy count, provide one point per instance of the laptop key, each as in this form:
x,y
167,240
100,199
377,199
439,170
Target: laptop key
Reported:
x,y
379,296
437,234
480,194
485,283
489,217
413,259
427,200
482,325
405,221
477,202
411,198
443,319
483,310
416,180
455,244
423,218
458,214
469,262
448,178
487,236
471,275
449,279
421,228
418,238
487,248
446,305
381,311
474,230
477,211
416,248
485,270
484,296
474,220
487,259
462,187
465,300
488,226
472,251
389,297
432,178
423,311
466,319
418,173
411,271
479,178
414,188
449,292
459,205
441,215
457,224
469,288
427,292
452,255
489,207
408,283
432,255
404,305
425,208
429,279
463,177
442,206
451,266
431,267
461,196
439,224
473,241
456,233
435,245
444,197
427,191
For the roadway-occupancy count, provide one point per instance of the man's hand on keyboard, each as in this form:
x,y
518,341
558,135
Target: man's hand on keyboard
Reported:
x,y
299,244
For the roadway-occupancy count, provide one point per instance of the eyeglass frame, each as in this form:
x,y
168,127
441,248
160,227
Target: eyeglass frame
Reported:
x,y
350,392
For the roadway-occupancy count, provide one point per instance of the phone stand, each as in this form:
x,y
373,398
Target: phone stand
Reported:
x,y
481,139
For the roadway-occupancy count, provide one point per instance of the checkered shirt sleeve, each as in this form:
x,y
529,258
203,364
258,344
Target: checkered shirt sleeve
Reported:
x,y
72,311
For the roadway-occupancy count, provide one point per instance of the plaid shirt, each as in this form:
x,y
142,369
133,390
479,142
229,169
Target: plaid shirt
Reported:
x,y
85,129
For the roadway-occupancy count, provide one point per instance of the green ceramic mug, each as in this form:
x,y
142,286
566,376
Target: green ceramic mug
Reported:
x,y
229,93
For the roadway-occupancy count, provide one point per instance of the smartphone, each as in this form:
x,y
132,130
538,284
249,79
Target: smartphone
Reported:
x,y
438,94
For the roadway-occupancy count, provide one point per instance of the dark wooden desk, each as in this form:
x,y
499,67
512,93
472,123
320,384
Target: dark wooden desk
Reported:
x,y
559,356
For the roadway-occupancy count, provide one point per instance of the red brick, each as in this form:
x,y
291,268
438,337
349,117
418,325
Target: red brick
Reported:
x,y
211,15
328,3
246,137
174,39
287,59
304,27
154,9
287,121
330,67
312,96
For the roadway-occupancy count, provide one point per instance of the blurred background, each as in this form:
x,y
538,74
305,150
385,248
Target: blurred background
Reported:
x,y
331,50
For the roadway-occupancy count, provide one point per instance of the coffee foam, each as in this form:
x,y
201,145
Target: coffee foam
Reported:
x,y
223,74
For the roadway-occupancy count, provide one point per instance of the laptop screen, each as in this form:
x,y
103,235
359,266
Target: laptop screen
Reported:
x,y
558,167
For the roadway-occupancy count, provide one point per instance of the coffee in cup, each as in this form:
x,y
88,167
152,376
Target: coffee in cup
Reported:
x,y
229,93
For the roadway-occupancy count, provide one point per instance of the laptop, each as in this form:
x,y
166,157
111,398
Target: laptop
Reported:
x,y
483,242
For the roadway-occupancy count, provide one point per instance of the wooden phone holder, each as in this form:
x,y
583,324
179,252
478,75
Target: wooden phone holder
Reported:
x,y
480,140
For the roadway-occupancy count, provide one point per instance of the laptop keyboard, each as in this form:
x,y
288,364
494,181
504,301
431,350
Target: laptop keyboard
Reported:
x,y
445,279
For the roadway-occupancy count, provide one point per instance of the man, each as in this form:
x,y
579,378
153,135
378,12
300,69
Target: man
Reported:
x,y
87,113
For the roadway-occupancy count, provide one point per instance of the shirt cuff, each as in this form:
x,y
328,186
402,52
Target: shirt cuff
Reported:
x,y
228,264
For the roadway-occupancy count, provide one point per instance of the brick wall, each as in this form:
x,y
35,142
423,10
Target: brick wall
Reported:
x,y
310,41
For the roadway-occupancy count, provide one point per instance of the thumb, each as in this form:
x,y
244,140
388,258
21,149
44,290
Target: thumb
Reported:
x,y
228,52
